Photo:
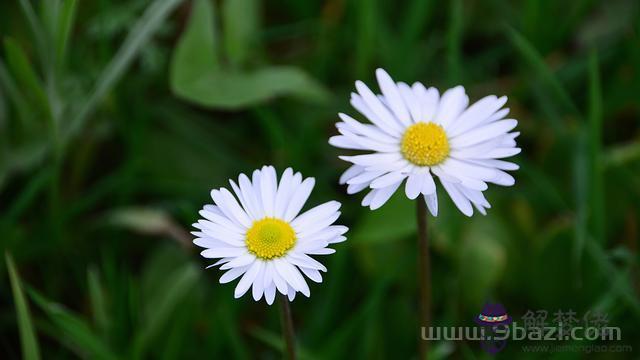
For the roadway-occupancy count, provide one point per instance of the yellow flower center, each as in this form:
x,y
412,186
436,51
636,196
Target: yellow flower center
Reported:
x,y
425,144
270,238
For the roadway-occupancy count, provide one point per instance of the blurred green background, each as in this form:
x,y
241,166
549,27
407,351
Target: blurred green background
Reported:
x,y
118,117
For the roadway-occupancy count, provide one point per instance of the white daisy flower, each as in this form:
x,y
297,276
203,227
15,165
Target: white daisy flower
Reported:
x,y
259,234
416,133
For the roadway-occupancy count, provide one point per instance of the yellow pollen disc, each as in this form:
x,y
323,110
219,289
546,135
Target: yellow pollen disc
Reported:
x,y
270,238
425,144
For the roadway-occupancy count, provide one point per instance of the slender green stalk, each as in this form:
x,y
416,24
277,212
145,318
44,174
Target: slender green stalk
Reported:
x,y
424,276
287,327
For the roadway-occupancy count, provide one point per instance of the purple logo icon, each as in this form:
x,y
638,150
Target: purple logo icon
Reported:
x,y
492,317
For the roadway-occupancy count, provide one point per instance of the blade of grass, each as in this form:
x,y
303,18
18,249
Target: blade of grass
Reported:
x,y
540,68
159,309
73,332
581,173
454,42
98,304
37,30
140,34
25,74
595,149
66,20
28,339
366,33
14,94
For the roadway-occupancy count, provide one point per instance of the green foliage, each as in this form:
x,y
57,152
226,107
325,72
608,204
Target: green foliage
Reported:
x,y
199,75
118,117
28,339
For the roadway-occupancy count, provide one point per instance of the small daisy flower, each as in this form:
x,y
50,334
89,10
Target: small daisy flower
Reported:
x,y
260,237
415,134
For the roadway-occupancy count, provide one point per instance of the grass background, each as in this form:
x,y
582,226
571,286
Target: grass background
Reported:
x,y
118,117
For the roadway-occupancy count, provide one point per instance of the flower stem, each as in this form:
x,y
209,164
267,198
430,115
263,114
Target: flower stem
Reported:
x,y
287,327
424,275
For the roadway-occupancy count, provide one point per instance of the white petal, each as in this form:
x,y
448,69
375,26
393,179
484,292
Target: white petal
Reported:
x,y
428,186
249,197
243,203
411,101
466,169
461,201
281,284
258,283
356,188
299,198
255,184
304,260
503,178
312,274
429,100
373,159
223,252
432,203
316,214
270,293
452,103
351,172
223,221
268,188
228,204
392,95
366,177
283,194
382,195
242,260
370,131
345,142
247,280
483,133
414,185
291,293
387,180
233,274
292,276
476,114
384,119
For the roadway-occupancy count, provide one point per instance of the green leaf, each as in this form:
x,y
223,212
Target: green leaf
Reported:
x,y
241,24
24,73
73,330
196,75
37,30
65,24
28,339
152,19
541,70
98,303
595,148
161,305
14,94
196,49
234,90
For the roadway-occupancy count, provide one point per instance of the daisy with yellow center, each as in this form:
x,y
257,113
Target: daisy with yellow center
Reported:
x,y
260,237
415,134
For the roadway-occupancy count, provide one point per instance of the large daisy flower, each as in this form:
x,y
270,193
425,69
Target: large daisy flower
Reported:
x,y
416,134
260,236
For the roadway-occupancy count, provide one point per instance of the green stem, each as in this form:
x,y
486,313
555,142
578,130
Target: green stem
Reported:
x,y
287,327
424,276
